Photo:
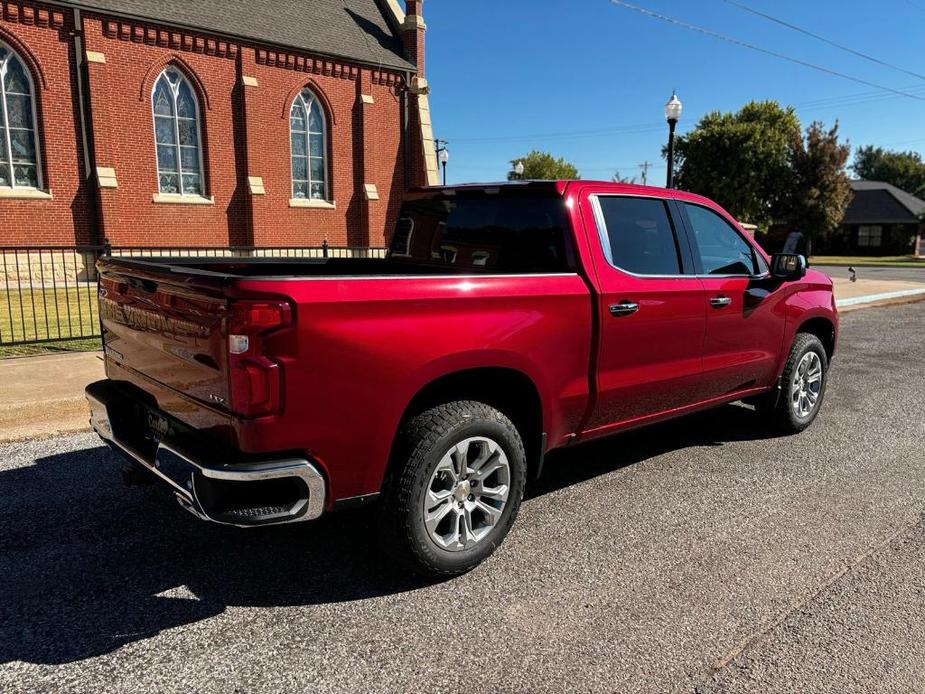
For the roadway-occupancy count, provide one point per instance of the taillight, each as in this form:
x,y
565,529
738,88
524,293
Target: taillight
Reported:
x,y
255,379
254,317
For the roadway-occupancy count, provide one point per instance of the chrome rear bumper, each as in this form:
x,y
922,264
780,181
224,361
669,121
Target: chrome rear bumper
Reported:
x,y
193,482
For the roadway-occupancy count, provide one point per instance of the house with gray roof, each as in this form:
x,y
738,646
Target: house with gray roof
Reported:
x,y
881,219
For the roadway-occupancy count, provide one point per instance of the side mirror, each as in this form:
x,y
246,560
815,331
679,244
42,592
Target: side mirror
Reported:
x,y
788,266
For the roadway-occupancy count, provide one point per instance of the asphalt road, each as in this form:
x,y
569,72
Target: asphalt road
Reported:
x,y
905,274
700,555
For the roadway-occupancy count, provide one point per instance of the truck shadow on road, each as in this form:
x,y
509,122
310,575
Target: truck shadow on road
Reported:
x,y
88,566
568,466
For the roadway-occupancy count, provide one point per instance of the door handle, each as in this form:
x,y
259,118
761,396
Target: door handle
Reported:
x,y
720,301
624,308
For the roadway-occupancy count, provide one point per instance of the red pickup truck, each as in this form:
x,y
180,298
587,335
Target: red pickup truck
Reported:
x,y
505,321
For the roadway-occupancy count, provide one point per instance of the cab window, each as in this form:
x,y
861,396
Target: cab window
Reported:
x,y
500,231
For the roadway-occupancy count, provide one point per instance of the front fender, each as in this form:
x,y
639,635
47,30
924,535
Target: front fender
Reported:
x,y
805,305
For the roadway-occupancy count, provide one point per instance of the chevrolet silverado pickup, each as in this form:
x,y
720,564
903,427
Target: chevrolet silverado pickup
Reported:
x,y
505,321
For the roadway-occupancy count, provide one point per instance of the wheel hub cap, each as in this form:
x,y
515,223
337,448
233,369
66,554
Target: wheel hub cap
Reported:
x,y
467,493
462,491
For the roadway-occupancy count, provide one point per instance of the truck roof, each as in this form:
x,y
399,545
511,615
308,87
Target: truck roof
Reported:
x,y
559,187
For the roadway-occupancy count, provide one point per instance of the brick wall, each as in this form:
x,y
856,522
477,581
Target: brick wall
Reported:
x,y
41,36
245,128
120,97
363,147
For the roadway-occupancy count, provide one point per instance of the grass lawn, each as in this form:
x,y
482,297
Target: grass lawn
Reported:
x,y
860,261
36,314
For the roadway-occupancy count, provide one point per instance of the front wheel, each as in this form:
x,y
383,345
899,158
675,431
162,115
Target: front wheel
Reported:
x,y
456,490
803,383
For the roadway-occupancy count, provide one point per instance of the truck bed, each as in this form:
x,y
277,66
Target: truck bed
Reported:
x,y
286,268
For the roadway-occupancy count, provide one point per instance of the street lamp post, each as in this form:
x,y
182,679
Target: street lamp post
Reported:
x,y
443,155
519,171
672,115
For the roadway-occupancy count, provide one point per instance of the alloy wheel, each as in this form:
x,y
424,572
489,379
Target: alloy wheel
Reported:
x,y
467,494
806,385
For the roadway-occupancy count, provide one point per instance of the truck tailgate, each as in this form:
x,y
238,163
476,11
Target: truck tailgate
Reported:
x,y
167,329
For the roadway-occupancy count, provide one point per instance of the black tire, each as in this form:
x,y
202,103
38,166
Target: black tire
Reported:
x,y
779,408
425,440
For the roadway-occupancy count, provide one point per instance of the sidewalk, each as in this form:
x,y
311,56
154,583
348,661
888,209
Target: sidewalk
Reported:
x,y
43,396
853,295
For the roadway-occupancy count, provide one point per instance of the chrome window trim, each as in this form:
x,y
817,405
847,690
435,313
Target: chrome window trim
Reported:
x,y
604,237
760,276
735,228
608,252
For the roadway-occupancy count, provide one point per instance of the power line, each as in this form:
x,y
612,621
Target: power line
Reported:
x,y
856,98
848,99
902,142
814,105
627,129
766,51
643,128
816,36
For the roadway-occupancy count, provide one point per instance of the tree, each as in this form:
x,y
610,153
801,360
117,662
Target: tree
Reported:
x,y
617,178
905,170
741,160
543,166
820,190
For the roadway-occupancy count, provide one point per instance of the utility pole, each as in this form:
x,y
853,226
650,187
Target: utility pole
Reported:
x,y
645,171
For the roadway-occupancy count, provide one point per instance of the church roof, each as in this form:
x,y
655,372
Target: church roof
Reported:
x,y
360,30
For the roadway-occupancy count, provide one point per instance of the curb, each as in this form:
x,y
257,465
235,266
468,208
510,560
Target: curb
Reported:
x,y
904,265
883,296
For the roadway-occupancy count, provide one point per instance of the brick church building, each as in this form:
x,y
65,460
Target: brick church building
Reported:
x,y
211,122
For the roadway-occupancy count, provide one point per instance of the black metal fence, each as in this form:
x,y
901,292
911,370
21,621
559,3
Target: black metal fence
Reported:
x,y
48,294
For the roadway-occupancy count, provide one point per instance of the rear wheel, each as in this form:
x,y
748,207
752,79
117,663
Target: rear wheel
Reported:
x,y
803,383
458,489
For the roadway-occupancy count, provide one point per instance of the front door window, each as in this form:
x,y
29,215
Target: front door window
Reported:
x,y
722,249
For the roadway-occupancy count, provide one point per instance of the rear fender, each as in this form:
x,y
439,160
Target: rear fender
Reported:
x,y
447,366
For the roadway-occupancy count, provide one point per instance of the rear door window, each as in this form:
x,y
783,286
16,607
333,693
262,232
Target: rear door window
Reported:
x,y
638,235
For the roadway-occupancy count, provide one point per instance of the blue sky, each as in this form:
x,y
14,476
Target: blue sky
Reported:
x,y
588,80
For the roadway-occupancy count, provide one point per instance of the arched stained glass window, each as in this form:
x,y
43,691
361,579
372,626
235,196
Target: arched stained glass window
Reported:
x,y
19,159
307,133
177,134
